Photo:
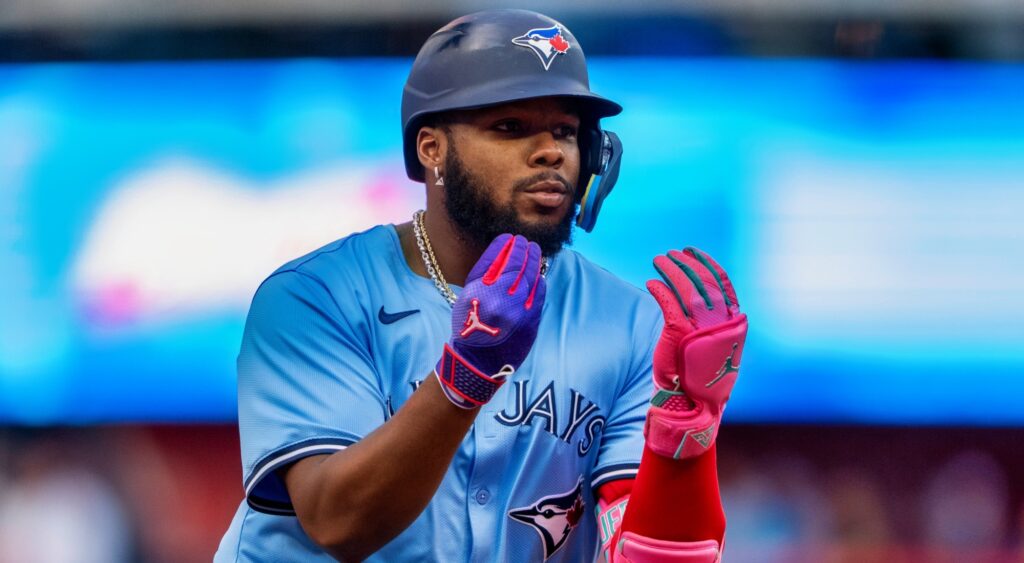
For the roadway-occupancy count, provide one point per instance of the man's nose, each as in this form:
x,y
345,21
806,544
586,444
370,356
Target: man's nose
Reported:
x,y
547,152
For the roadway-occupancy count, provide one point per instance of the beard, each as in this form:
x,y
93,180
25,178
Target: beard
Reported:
x,y
479,219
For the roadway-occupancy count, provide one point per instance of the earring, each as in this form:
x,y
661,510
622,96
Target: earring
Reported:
x,y
440,180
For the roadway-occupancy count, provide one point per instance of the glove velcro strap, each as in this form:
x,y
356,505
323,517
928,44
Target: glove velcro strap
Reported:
x,y
678,435
465,385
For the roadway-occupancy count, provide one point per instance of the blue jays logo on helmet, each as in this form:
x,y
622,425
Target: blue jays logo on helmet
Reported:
x,y
546,42
554,517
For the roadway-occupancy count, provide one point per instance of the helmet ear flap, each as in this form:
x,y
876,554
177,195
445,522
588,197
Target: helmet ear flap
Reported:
x,y
590,154
600,155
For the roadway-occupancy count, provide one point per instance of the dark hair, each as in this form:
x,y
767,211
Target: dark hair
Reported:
x,y
441,120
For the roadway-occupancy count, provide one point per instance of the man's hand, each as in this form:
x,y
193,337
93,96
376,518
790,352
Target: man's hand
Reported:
x,y
494,321
697,358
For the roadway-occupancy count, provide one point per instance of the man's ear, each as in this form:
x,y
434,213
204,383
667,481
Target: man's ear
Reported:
x,y
431,146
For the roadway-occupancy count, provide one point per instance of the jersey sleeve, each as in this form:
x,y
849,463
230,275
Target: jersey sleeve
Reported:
x,y
306,382
622,441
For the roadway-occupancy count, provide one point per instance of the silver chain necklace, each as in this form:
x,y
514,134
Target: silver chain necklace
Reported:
x,y
430,261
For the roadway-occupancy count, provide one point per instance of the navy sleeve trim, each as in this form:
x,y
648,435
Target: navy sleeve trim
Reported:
x,y
277,459
294,452
613,472
271,507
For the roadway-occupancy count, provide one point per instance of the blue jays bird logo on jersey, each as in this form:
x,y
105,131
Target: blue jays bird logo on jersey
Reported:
x,y
554,517
546,42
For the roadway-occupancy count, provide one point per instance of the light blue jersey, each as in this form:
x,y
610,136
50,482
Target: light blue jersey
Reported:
x,y
338,340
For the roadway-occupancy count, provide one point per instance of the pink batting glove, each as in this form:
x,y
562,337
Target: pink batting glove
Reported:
x,y
697,358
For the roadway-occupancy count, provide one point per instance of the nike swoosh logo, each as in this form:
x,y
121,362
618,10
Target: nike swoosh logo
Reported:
x,y
388,318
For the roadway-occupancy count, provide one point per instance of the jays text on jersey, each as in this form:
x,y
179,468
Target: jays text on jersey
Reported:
x,y
337,340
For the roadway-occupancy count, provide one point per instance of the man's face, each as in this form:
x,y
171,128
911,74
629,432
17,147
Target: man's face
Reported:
x,y
513,168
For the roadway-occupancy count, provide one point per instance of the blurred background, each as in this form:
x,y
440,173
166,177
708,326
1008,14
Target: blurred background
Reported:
x,y
858,167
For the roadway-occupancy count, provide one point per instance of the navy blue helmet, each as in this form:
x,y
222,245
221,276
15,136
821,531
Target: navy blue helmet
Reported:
x,y
500,56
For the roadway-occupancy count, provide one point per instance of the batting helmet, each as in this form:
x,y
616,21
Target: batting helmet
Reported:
x,y
500,56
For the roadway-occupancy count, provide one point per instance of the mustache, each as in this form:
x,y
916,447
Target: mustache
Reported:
x,y
521,185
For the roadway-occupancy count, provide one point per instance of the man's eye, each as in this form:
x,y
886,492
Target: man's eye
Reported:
x,y
566,132
509,126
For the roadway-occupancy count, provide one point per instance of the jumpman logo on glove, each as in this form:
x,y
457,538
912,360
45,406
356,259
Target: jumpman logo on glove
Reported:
x,y
506,287
727,367
473,322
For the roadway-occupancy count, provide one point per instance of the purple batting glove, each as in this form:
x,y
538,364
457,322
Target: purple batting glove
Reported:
x,y
494,321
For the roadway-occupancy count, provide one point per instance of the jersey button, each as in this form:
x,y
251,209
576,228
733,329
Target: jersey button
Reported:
x,y
482,496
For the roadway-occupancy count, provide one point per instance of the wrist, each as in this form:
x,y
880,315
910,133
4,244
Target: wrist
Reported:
x,y
681,434
465,385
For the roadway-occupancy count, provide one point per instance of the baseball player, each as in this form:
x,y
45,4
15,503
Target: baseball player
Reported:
x,y
463,388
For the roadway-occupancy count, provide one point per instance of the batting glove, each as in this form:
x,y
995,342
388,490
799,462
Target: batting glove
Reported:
x,y
494,321
697,358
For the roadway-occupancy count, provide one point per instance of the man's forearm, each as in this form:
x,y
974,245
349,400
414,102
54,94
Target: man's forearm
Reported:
x,y
353,502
